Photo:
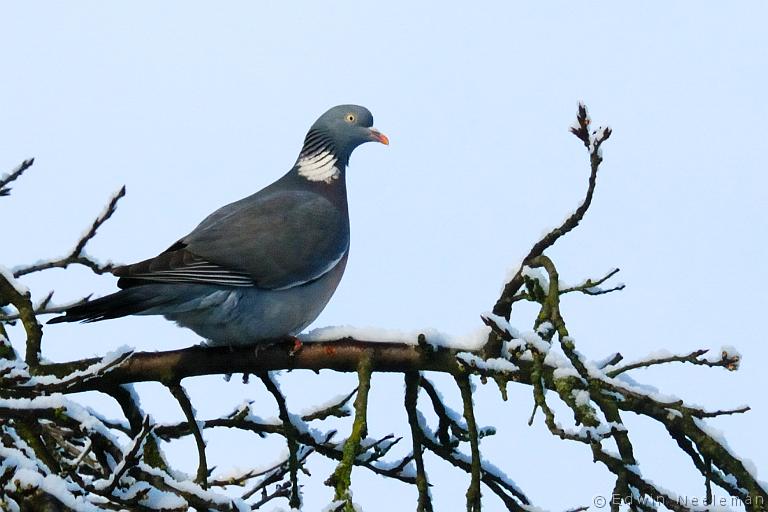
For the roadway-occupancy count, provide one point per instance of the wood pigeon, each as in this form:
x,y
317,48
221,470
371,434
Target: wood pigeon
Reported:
x,y
263,267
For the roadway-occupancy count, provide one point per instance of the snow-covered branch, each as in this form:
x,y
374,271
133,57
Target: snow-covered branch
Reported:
x,y
57,452
78,256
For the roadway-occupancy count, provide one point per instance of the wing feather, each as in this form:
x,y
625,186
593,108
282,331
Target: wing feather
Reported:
x,y
276,240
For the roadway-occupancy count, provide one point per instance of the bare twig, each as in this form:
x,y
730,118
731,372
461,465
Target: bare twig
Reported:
x,y
77,255
193,494
5,179
505,490
473,493
186,406
445,420
281,491
338,409
279,470
44,307
275,474
581,130
726,360
131,457
291,434
592,287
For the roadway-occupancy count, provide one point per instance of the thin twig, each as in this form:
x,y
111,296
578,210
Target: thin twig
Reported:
x,y
590,287
186,406
726,361
45,308
276,474
131,457
445,421
77,256
473,492
281,491
14,175
500,486
324,447
503,305
337,410
290,436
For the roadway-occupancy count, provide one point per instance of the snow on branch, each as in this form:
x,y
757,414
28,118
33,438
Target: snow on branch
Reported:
x,y
55,451
15,174
78,255
593,141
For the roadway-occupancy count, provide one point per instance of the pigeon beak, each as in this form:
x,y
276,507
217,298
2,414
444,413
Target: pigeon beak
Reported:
x,y
377,136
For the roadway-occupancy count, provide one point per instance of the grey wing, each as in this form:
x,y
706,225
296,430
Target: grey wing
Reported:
x,y
280,240
276,241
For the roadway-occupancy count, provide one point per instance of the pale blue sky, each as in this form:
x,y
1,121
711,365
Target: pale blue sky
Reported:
x,y
193,105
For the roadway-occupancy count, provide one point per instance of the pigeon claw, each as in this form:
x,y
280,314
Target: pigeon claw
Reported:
x,y
297,345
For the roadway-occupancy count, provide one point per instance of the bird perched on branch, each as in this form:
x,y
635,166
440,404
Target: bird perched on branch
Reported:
x,y
263,267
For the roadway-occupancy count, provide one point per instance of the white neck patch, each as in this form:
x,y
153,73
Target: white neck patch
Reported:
x,y
319,166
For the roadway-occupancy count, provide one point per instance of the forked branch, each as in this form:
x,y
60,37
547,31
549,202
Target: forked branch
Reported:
x,y
69,446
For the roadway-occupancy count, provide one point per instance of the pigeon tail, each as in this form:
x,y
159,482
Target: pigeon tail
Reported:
x,y
131,301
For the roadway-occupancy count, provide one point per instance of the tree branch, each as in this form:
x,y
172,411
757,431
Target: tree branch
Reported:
x,y
130,458
592,142
341,477
727,361
5,179
77,254
291,435
412,380
342,355
52,428
473,493
189,412
16,294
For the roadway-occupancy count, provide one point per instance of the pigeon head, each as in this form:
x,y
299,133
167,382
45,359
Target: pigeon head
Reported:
x,y
331,140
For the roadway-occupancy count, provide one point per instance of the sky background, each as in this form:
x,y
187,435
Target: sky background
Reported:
x,y
192,105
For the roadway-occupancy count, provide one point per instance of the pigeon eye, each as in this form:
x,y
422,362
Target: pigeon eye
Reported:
x,y
350,118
